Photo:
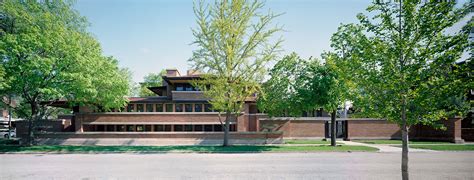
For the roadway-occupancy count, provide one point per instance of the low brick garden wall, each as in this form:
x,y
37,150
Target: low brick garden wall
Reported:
x,y
157,138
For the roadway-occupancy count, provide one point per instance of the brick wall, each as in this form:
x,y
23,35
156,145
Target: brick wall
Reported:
x,y
452,132
294,128
372,129
157,138
307,128
188,95
42,126
467,134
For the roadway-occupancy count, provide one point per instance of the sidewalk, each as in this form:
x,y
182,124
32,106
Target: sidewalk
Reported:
x,y
385,147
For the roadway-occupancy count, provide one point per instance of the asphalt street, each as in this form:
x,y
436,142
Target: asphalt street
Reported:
x,y
423,165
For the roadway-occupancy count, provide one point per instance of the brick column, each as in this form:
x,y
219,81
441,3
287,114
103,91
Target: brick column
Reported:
x,y
456,122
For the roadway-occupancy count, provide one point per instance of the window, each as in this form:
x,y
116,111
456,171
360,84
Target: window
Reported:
x,y
197,107
149,107
140,108
178,127
111,128
159,128
131,108
188,127
179,87
122,128
208,128
100,128
189,87
218,128
130,128
178,108
232,127
208,107
188,108
169,107
198,128
140,128
159,107
147,128
167,127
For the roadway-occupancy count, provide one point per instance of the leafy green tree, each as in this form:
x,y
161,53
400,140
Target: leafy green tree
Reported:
x,y
47,55
279,95
151,80
403,63
233,39
298,85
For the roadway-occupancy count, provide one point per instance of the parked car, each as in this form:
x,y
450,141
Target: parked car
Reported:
x,y
4,133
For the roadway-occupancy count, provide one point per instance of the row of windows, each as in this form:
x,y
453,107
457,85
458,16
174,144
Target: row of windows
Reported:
x,y
169,107
157,128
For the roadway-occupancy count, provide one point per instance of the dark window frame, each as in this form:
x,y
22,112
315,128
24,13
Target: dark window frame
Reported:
x,y
149,108
196,109
188,107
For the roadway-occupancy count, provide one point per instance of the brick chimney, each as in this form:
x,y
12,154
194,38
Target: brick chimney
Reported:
x,y
172,73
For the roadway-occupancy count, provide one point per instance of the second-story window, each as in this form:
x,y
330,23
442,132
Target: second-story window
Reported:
x,y
188,108
189,87
131,108
159,107
179,87
140,108
149,107
207,107
169,107
197,107
178,108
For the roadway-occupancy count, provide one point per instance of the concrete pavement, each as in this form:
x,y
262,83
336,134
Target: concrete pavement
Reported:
x,y
368,165
385,147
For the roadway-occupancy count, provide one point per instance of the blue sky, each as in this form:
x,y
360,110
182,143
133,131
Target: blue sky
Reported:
x,y
149,35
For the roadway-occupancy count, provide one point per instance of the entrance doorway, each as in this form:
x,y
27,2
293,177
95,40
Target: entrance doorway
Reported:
x,y
340,129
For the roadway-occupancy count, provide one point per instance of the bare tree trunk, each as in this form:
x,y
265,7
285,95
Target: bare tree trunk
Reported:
x,y
226,129
333,128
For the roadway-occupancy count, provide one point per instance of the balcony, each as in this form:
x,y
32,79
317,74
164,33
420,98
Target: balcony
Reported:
x,y
188,96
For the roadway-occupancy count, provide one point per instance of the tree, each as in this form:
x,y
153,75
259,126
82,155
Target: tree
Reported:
x,y
279,95
298,85
151,80
233,40
47,55
403,63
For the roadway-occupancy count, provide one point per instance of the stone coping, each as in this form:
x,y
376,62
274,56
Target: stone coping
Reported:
x,y
318,119
149,113
154,123
70,133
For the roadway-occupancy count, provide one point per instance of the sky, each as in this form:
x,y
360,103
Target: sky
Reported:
x,y
147,36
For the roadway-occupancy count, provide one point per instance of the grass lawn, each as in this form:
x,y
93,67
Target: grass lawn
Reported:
x,y
313,141
185,149
399,142
453,147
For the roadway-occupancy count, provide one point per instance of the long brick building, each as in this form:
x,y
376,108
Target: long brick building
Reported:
x,y
181,114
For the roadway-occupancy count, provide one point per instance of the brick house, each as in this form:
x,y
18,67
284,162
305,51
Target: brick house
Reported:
x,y
182,113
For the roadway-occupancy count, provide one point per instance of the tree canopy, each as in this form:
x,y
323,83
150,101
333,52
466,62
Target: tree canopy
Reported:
x,y
47,55
297,85
234,45
151,80
403,62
